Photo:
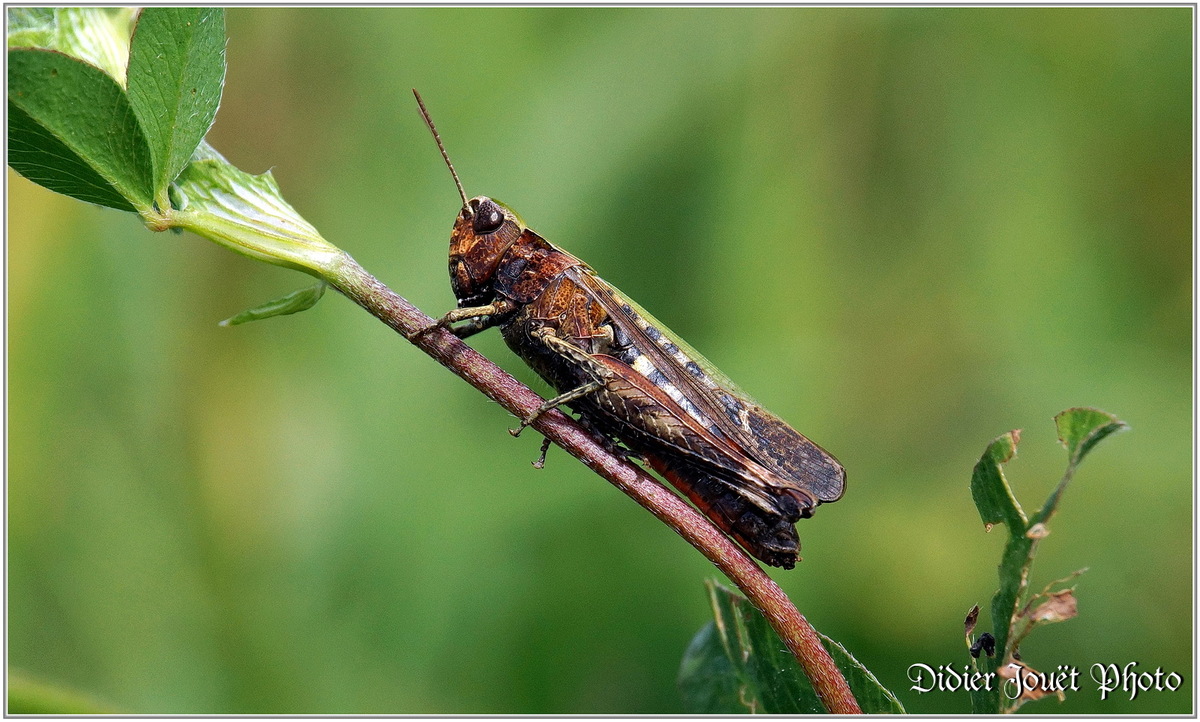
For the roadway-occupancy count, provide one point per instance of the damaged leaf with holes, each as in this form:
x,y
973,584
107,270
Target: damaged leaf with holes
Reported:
x,y
1016,612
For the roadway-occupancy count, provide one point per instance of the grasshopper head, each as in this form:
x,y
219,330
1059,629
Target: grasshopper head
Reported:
x,y
483,233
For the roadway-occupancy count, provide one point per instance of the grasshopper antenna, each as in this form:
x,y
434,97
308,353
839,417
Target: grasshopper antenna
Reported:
x,y
437,138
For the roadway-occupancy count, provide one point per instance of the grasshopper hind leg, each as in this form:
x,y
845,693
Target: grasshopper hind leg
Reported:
x,y
567,350
555,403
610,442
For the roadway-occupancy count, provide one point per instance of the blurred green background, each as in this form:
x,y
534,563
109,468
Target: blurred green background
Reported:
x,y
905,231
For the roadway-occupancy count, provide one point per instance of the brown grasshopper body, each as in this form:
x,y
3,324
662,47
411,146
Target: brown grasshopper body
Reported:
x,y
631,379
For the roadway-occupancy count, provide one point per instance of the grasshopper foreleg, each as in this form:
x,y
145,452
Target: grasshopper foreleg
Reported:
x,y
479,318
474,326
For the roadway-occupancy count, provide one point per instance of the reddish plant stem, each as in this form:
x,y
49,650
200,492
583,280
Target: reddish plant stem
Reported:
x,y
447,349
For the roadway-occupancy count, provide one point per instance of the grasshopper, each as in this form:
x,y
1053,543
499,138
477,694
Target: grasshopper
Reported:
x,y
633,380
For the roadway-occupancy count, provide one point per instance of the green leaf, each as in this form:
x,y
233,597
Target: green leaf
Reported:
x,y
709,680
997,505
990,490
737,664
1080,429
39,156
71,130
246,213
294,302
872,696
176,72
98,36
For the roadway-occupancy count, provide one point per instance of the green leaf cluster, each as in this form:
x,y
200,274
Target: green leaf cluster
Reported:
x,y
1014,612
737,664
112,108
88,125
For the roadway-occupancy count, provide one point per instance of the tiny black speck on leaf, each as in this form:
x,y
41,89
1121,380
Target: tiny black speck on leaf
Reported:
x,y
986,643
989,644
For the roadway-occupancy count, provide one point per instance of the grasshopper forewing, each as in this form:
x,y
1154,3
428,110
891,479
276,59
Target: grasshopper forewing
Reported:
x,y
746,469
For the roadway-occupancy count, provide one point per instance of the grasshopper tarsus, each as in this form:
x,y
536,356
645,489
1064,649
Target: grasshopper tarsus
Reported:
x,y
525,422
411,336
540,463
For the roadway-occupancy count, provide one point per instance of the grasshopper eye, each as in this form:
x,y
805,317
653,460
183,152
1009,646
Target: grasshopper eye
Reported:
x,y
488,217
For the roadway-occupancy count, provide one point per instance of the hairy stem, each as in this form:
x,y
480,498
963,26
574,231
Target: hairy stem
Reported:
x,y
495,383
